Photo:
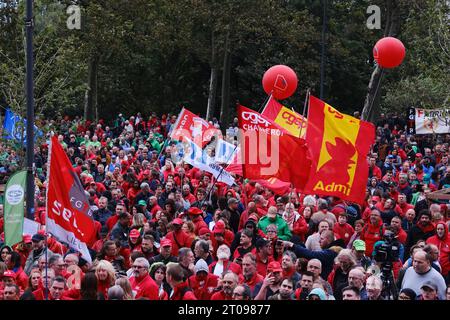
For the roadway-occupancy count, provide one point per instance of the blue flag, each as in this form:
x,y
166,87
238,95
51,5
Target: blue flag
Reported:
x,y
13,127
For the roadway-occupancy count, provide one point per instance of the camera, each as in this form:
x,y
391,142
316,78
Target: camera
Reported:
x,y
388,251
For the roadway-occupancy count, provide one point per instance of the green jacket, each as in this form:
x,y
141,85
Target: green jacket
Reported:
x,y
283,229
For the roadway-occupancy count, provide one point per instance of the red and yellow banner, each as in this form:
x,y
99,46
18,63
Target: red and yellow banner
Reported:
x,y
291,122
338,146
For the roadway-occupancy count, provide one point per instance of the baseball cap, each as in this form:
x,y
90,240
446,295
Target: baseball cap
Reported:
x,y
203,231
418,155
9,274
195,211
142,203
27,238
429,284
274,266
166,243
177,221
38,237
135,233
359,245
219,227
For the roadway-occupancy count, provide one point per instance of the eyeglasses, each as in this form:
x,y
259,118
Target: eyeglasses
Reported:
x,y
62,265
271,231
227,282
138,267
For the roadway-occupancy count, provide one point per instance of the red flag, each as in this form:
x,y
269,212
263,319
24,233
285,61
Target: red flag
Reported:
x,y
193,127
69,217
276,185
267,152
338,144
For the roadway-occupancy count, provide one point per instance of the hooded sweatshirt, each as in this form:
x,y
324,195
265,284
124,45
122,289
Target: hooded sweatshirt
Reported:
x,y
443,245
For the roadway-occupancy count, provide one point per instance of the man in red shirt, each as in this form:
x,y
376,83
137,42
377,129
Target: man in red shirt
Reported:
x,y
179,238
403,205
203,283
187,195
196,216
180,288
396,225
250,275
264,251
229,283
141,282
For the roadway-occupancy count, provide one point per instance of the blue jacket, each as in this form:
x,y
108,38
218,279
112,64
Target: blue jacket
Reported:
x,y
326,256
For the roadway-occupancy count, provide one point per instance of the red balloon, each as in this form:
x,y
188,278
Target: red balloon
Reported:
x,y
389,52
280,81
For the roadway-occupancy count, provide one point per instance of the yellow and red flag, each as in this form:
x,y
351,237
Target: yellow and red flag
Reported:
x,y
338,146
290,121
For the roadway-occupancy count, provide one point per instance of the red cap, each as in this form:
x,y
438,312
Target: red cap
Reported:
x,y
135,233
219,227
203,231
9,273
376,198
274,266
418,155
177,221
27,238
195,211
166,243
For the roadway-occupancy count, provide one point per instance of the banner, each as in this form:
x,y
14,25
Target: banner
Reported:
x,y
411,124
30,227
69,217
195,156
193,127
227,153
14,209
289,120
267,152
15,126
432,121
338,144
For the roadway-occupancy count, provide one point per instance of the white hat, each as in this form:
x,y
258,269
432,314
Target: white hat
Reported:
x,y
201,265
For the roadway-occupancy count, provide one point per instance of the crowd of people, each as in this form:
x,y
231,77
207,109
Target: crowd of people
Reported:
x,y
168,231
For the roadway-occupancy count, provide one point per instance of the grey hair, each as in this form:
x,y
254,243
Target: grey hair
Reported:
x,y
144,261
54,258
116,292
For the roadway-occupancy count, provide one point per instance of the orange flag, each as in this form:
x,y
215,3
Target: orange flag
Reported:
x,y
291,122
338,146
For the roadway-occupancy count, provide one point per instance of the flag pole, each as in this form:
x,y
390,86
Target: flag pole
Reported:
x,y
29,24
49,159
308,93
264,104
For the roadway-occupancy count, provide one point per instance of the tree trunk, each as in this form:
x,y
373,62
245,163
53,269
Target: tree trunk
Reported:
x,y
224,108
372,102
212,83
90,104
